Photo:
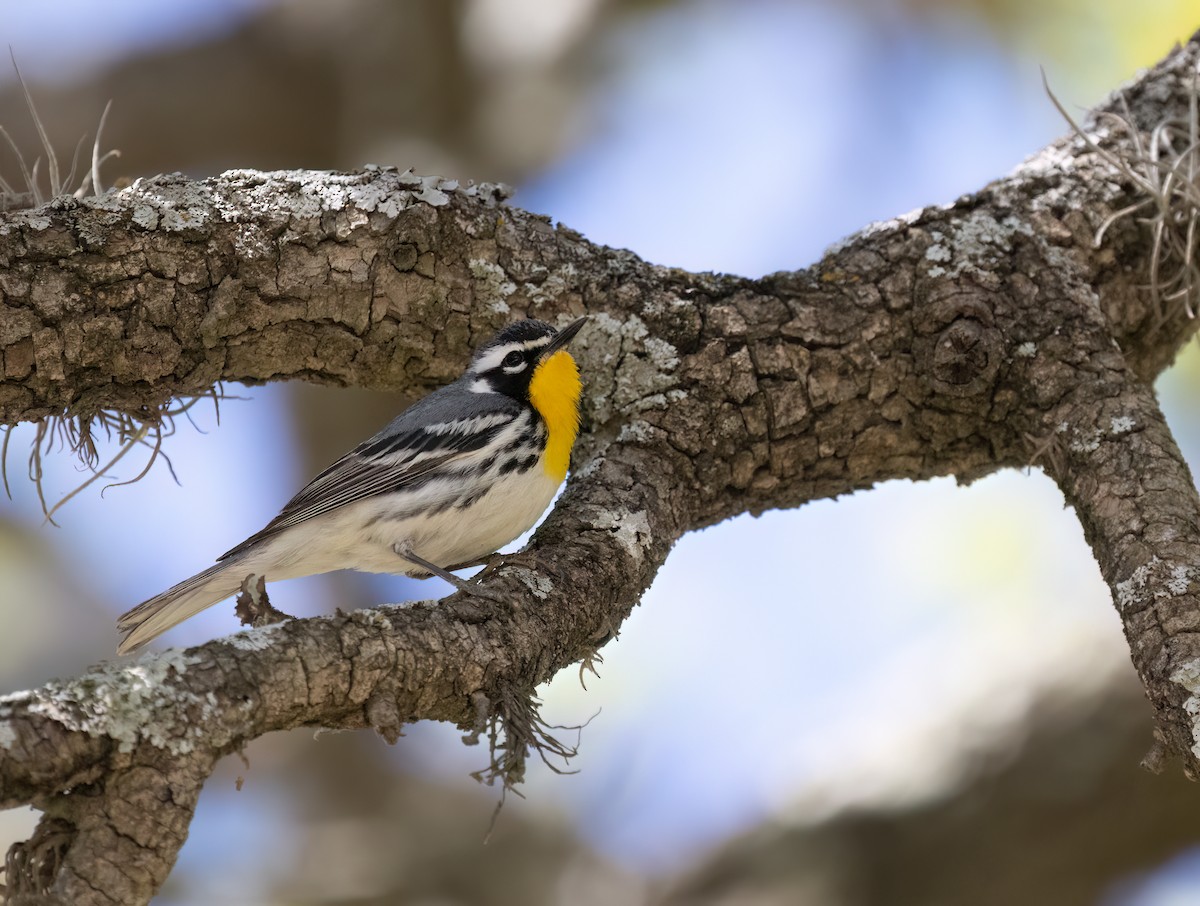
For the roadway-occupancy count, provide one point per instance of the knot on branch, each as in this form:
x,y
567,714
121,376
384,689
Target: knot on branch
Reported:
x,y
958,344
960,356
383,714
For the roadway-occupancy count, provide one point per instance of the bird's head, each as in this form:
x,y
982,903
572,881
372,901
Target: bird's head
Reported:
x,y
528,361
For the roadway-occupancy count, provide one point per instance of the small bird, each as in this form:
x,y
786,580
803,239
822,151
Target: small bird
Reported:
x,y
448,482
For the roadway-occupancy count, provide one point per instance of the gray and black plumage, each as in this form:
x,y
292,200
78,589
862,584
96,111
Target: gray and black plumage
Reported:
x,y
449,481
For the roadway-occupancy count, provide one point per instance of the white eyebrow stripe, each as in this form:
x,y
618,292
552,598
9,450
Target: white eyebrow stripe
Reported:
x,y
493,357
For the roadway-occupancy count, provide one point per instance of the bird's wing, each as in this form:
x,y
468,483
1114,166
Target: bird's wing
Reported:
x,y
415,445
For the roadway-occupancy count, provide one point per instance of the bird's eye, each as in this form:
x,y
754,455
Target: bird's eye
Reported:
x,y
513,359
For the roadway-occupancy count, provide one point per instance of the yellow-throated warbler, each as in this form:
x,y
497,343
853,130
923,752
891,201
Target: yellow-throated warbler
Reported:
x,y
448,482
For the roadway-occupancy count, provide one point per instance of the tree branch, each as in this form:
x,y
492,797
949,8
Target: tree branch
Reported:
x,y
954,341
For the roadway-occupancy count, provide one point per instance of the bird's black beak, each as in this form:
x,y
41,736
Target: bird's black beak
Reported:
x,y
563,337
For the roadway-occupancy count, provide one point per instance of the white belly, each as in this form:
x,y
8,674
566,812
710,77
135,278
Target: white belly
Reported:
x,y
439,525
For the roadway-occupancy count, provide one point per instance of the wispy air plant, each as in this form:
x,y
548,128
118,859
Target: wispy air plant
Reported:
x,y
145,427
32,195
1164,167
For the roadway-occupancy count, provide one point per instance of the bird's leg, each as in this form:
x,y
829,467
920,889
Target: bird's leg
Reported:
x,y
404,550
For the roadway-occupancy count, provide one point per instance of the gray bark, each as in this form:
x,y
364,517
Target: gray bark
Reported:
x,y
958,340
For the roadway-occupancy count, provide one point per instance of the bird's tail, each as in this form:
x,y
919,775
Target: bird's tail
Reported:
x,y
153,617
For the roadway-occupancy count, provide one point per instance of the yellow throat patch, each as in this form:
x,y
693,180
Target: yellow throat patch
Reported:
x,y
554,392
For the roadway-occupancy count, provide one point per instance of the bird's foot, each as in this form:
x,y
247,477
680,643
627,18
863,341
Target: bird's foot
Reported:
x,y
489,563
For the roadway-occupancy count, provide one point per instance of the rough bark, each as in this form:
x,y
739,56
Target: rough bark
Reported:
x,y
956,340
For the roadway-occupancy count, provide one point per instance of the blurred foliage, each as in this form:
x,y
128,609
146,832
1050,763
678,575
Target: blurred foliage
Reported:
x,y
1086,39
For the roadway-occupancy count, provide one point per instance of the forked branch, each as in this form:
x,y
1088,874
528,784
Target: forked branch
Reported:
x,y
955,341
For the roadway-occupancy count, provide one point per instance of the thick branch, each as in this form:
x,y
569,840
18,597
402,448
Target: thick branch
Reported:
x,y
957,340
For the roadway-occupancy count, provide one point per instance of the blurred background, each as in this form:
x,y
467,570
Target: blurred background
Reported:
x,y
917,695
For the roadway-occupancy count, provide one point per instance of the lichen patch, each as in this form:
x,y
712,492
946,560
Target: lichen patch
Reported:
x,y
1188,676
539,586
637,365
630,529
132,703
493,285
8,736
1122,424
1154,581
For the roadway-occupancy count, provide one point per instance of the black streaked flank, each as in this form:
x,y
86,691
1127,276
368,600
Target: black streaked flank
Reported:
x,y
471,499
519,464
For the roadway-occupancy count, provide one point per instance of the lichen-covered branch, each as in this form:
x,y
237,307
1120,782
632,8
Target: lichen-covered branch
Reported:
x,y
954,341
